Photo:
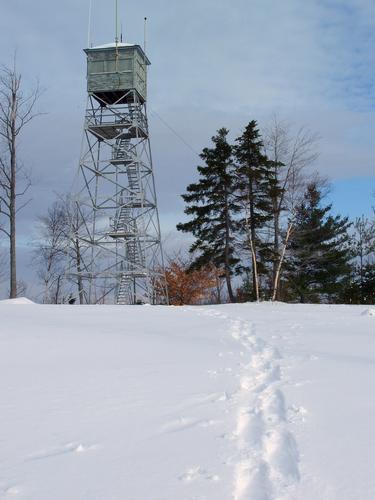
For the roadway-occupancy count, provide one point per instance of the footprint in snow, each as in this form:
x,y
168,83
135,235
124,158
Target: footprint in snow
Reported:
x,y
297,413
185,423
252,482
223,397
198,473
68,448
282,454
368,312
212,397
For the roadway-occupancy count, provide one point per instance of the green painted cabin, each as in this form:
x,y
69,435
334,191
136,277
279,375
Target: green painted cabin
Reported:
x,y
114,70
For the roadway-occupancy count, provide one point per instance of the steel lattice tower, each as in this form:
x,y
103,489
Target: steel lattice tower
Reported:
x,y
118,232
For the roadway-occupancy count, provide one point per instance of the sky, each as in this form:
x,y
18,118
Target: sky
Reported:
x,y
214,64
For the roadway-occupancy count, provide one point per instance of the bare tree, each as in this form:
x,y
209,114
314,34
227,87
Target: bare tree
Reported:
x,y
50,252
16,112
75,218
21,288
2,265
291,153
59,250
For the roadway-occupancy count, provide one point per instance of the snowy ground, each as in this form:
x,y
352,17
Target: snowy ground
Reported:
x,y
243,402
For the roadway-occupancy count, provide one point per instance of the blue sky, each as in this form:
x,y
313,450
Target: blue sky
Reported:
x,y
214,63
351,197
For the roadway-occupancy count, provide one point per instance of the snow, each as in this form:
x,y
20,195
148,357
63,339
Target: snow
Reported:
x,y
111,45
369,312
243,402
16,302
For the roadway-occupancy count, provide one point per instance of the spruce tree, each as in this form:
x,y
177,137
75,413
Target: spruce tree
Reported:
x,y
360,289
361,284
318,264
254,185
212,205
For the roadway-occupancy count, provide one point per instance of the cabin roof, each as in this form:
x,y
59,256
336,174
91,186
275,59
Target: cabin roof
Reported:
x,y
112,45
120,45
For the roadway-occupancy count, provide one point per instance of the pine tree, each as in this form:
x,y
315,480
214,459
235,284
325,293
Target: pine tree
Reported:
x,y
254,185
212,205
360,288
319,251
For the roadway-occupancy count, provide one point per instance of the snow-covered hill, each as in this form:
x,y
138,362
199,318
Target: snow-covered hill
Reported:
x,y
244,402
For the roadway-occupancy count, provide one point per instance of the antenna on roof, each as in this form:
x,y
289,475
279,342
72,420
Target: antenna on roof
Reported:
x,y
116,21
145,36
116,37
121,33
89,25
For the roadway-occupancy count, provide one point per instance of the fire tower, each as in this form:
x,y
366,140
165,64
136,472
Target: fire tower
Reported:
x,y
117,228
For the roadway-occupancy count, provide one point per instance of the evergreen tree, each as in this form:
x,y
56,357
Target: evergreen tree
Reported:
x,y
319,251
254,185
361,284
213,207
360,288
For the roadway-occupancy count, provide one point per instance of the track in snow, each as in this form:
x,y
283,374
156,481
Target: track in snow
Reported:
x,y
266,462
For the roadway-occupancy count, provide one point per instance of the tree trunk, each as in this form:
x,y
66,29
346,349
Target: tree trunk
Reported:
x,y
361,273
255,272
276,244
79,271
47,280
218,290
252,240
57,294
254,262
227,256
229,285
276,283
12,204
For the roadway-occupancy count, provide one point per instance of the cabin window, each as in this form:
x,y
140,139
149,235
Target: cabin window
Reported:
x,y
125,65
97,67
109,66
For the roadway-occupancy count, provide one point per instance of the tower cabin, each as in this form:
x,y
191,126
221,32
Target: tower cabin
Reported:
x,y
115,72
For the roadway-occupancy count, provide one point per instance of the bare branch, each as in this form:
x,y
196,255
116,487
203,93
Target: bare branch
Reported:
x,y
16,111
5,232
292,154
23,205
27,187
5,202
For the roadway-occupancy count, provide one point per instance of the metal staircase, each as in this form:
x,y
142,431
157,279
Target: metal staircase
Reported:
x,y
124,293
125,227
120,151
